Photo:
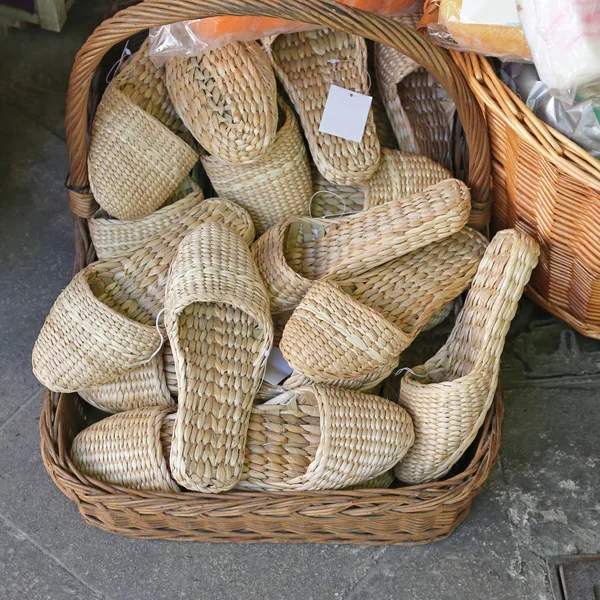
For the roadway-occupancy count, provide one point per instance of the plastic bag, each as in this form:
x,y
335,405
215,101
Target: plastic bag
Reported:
x,y
579,122
564,37
190,38
489,27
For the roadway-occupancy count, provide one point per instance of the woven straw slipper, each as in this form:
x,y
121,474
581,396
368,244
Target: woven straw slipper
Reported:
x,y
368,384
421,112
227,98
293,254
112,237
218,322
276,187
452,392
89,339
143,387
399,175
321,437
136,159
103,324
362,326
307,64
126,450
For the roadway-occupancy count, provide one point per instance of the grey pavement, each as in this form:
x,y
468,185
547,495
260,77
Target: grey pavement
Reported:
x,y
542,499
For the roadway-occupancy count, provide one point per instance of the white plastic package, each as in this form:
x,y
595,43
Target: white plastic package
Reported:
x,y
564,37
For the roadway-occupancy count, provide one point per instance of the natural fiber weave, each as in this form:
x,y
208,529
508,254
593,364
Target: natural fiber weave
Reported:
x,y
303,63
188,186
144,83
547,186
383,481
103,324
227,98
404,516
321,437
368,384
88,339
126,450
330,199
452,392
143,387
218,322
338,335
295,253
276,187
400,175
135,162
421,112
112,237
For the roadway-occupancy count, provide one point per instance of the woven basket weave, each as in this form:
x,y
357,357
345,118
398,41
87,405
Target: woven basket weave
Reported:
x,y
337,335
144,386
137,156
220,330
548,187
276,187
409,515
303,63
228,99
322,437
295,253
421,113
451,394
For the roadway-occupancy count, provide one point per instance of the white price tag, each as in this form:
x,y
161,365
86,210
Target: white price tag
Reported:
x,y
346,113
499,12
277,368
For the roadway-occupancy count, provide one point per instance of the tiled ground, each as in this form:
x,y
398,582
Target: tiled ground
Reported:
x,y
542,499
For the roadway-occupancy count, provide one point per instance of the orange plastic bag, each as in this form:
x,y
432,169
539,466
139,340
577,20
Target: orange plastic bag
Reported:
x,y
189,38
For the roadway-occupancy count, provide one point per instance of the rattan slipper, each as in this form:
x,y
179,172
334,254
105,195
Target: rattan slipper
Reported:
x,y
227,98
276,187
355,328
220,330
308,64
104,323
137,156
143,387
127,450
420,110
321,437
451,393
308,442
293,254
112,237
399,175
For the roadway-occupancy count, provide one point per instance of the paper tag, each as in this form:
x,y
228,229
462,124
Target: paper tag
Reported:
x,y
346,113
499,12
277,368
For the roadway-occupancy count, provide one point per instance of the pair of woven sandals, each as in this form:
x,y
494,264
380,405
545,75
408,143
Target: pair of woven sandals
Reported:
x,y
220,331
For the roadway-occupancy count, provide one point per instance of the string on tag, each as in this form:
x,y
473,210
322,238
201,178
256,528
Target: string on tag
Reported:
x,y
408,370
343,214
337,61
162,341
114,70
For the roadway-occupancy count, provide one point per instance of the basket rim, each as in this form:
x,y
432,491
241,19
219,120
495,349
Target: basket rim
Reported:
x,y
494,94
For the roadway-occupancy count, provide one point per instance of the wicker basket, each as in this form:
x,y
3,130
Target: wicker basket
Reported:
x,y
410,515
548,187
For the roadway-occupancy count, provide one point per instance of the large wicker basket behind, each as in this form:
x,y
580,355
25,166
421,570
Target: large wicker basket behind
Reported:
x,y
409,515
549,187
